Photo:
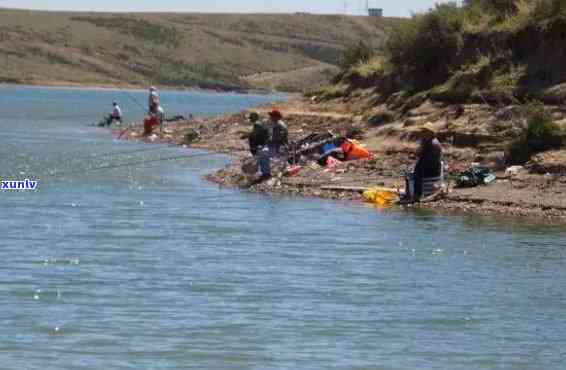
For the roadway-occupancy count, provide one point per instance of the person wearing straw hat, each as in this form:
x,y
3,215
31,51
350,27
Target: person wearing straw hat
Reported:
x,y
428,169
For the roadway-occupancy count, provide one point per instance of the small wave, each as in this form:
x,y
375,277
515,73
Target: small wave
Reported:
x,y
61,262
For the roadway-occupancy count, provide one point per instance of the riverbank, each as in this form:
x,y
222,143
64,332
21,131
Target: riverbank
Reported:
x,y
525,194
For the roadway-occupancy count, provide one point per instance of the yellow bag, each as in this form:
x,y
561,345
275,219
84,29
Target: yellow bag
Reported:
x,y
380,197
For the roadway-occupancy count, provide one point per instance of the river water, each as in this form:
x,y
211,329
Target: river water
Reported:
x,y
149,267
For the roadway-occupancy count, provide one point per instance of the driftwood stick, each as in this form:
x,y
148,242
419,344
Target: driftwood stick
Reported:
x,y
355,189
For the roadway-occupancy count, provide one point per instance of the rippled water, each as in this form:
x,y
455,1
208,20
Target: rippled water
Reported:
x,y
152,268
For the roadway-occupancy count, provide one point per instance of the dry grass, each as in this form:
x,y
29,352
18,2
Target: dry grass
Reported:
x,y
375,67
329,92
171,49
294,81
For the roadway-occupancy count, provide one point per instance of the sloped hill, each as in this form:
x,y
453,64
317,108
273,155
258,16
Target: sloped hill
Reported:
x,y
181,50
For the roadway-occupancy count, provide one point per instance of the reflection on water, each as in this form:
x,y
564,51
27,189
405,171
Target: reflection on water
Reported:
x,y
150,267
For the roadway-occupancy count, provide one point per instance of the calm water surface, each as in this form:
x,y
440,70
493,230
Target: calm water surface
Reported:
x,y
149,267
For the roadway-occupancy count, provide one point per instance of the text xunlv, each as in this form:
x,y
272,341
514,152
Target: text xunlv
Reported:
x,y
18,185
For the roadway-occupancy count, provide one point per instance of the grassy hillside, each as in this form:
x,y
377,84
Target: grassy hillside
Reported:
x,y
482,51
183,50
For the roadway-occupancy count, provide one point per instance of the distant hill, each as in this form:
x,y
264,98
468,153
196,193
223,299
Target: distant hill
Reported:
x,y
221,51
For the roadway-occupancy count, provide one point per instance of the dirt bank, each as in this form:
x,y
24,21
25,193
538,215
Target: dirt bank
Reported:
x,y
393,144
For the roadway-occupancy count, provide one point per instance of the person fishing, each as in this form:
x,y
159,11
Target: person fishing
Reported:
x,y
160,117
259,136
115,116
156,114
153,120
153,100
279,132
278,136
428,168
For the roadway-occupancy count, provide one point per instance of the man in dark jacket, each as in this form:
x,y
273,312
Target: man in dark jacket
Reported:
x,y
259,135
279,132
429,162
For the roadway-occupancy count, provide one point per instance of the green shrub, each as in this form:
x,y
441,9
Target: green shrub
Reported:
x,y
541,134
191,137
484,50
381,118
426,48
518,151
499,9
464,83
368,74
545,10
504,81
371,68
328,92
359,53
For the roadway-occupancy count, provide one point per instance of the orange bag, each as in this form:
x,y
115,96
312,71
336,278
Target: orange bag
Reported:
x,y
354,151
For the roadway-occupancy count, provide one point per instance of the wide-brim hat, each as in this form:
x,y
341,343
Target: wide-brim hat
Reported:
x,y
428,128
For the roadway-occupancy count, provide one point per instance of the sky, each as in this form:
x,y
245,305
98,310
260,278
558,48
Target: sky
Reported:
x,y
396,8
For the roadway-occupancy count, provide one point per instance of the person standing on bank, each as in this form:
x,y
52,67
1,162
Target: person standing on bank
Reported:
x,y
278,136
160,114
153,100
259,136
429,163
279,132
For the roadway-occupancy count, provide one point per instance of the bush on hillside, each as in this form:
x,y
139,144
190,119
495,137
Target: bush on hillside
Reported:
x,y
372,68
359,53
544,10
428,47
501,9
540,134
371,73
485,50
328,92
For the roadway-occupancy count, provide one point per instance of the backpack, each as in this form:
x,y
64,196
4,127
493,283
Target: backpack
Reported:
x,y
474,176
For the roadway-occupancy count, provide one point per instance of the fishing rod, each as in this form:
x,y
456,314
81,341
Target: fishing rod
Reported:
x,y
129,95
118,153
131,164
132,97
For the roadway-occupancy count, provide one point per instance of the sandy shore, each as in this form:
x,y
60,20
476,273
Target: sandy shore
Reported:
x,y
525,195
